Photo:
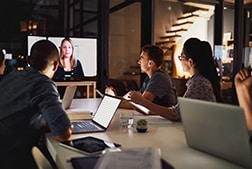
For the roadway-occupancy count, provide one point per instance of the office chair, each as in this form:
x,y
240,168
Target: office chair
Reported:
x,y
118,85
132,85
40,159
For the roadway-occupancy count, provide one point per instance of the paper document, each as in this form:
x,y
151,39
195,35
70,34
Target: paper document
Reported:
x,y
141,108
146,158
138,106
153,119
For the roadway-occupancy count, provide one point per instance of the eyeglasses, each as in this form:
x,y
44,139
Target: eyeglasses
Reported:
x,y
181,57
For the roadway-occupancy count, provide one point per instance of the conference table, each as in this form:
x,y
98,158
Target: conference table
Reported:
x,y
161,134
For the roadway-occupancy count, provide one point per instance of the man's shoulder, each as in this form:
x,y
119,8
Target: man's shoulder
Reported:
x,y
160,74
35,78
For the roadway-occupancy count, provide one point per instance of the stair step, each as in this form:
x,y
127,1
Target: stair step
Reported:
x,y
170,36
165,47
165,42
177,30
188,16
183,23
195,9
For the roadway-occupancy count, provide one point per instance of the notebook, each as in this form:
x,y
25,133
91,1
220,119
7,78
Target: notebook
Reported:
x,y
90,162
216,128
102,118
68,96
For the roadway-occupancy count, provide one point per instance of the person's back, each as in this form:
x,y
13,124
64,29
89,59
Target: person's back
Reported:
x,y
16,111
29,102
199,87
208,69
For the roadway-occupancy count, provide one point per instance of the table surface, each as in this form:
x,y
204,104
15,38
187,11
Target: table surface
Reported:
x,y
167,136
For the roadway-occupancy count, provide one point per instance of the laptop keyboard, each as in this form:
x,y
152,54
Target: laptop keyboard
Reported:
x,y
87,125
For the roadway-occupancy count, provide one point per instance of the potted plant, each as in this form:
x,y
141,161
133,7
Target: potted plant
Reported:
x,y
141,125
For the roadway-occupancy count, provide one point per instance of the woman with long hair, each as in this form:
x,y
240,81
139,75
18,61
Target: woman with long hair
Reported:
x,y
69,65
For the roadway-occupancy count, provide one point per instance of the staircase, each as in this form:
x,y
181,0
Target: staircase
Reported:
x,y
191,13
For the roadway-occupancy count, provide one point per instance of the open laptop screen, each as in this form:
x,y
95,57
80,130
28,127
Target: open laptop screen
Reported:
x,y
216,128
106,110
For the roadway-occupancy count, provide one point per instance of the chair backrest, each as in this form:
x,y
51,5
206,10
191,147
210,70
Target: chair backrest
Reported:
x,y
40,159
132,85
118,85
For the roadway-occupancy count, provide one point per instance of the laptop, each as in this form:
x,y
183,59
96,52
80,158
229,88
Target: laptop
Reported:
x,y
216,128
68,96
102,118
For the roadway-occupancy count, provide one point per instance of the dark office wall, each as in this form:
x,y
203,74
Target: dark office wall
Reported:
x,y
124,42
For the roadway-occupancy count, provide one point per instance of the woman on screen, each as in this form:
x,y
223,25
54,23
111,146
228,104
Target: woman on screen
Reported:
x,y
70,66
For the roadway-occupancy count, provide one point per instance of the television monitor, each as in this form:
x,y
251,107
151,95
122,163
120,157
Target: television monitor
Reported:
x,y
85,49
31,40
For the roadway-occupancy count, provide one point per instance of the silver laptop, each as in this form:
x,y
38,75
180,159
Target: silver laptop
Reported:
x,y
217,129
68,96
102,118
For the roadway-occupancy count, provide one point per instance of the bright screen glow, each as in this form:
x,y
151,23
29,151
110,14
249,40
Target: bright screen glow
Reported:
x,y
31,40
85,49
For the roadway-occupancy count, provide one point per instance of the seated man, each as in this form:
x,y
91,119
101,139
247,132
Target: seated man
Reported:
x,y
243,86
29,105
157,86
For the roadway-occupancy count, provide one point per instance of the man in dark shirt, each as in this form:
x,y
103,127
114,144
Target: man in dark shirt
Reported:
x,y
29,103
157,86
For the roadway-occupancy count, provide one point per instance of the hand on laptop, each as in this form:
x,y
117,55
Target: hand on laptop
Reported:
x,y
111,91
127,96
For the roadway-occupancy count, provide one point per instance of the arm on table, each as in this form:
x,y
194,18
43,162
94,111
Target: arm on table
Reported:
x,y
155,109
64,136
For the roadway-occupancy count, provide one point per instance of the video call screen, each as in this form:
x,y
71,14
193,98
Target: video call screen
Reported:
x,y
85,49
